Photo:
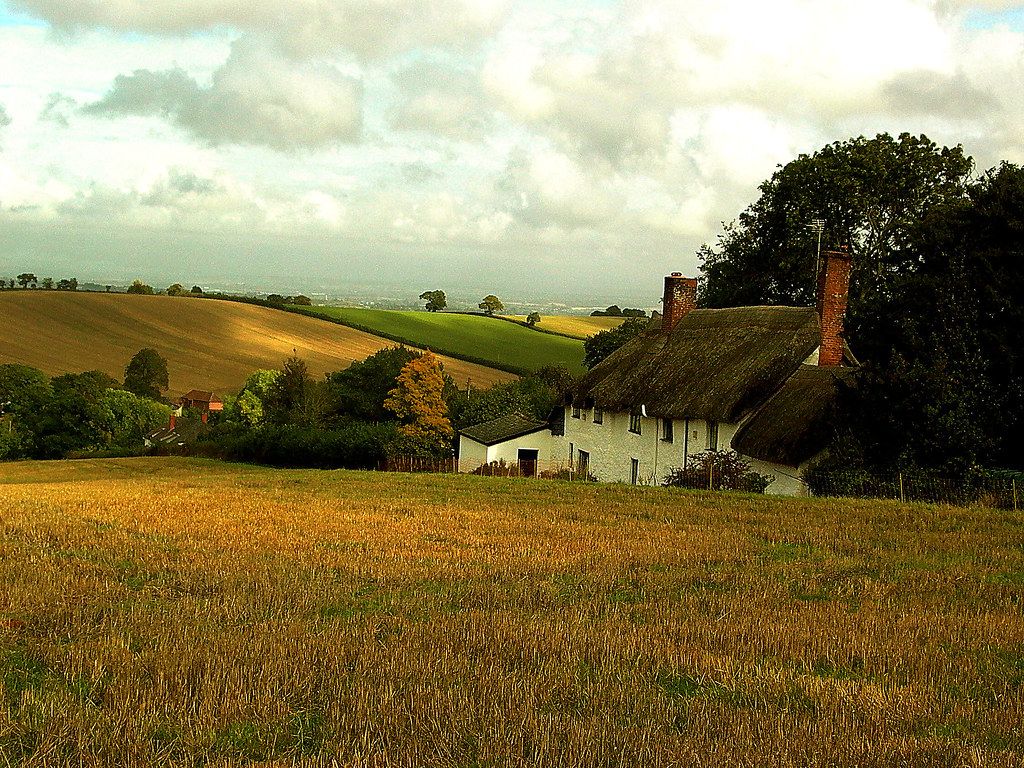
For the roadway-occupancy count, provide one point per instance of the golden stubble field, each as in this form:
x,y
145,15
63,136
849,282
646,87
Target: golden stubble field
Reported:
x,y
209,344
185,612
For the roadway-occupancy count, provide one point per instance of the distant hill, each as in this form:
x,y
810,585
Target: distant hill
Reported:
x,y
208,344
485,339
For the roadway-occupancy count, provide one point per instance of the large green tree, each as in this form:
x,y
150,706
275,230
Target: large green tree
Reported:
x,y
943,381
146,374
359,391
869,194
436,300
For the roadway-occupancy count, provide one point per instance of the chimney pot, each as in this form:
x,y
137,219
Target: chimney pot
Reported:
x,y
680,299
833,294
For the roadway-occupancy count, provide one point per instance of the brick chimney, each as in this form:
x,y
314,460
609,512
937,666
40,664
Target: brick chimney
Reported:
x,y
173,420
833,292
680,298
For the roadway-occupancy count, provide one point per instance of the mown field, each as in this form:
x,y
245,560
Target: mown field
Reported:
x,y
182,612
208,344
577,326
484,339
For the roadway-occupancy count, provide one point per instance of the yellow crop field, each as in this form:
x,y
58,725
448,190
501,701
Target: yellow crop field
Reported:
x,y
209,344
183,612
577,326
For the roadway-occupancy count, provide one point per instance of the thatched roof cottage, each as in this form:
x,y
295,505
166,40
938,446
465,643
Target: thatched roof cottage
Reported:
x,y
758,380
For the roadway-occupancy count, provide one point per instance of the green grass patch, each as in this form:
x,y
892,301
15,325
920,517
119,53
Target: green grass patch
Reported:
x,y
475,338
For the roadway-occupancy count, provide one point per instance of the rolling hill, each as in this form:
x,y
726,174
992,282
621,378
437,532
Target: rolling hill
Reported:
x,y
482,338
208,344
577,326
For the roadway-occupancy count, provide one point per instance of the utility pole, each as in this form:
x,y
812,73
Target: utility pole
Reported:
x,y
818,226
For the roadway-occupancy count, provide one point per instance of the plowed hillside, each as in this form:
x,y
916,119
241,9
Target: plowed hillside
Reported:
x,y
208,344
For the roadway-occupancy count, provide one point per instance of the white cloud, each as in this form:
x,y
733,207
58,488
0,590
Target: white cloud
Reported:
x,y
257,97
304,28
595,133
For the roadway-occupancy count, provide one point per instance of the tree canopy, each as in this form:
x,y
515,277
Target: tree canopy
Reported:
x,y
436,300
869,194
418,401
600,345
146,374
141,288
491,304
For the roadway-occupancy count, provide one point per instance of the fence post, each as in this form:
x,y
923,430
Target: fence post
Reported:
x,y
902,498
711,476
1013,483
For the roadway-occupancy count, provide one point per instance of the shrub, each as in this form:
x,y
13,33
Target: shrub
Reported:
x,y
719,471
356,446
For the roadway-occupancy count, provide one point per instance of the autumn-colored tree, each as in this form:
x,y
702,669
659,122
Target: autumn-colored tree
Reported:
x,y
418,403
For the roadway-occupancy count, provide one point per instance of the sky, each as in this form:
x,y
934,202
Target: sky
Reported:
x,y
561,149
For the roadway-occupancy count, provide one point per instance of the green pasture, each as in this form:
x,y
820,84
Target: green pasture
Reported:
x,y
476,338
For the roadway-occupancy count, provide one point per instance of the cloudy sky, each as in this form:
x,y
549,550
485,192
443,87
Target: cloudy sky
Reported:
x,y
579,148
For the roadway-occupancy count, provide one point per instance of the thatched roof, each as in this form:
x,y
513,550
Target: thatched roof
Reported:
x,y
716,364
794,425
503,428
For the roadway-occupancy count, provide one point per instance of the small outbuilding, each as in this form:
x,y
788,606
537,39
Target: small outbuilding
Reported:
x,y
514,439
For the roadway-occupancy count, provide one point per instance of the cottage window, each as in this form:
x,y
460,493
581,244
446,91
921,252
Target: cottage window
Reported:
x,y
575,411
666,430
598,415
634,471
712,435
634,422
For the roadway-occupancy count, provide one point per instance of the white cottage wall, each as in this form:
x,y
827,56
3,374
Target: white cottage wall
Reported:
x,y
612,447
471,454
549,450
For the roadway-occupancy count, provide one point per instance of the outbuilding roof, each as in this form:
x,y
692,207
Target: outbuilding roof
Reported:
x,y
201,396
715,364
794,425
503,428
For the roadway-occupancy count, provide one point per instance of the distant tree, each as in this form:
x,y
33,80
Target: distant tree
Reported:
x,y
286,399
532,319
175,290
491,304
25,278
108,288
47,283
146,374
275,298
417,400
359,391
436,300
196,290
612,311
140,288
67,284
246,409
601,345
634,313
301,301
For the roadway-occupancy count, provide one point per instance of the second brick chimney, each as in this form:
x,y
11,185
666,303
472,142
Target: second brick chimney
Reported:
x,y
833,293
680,298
